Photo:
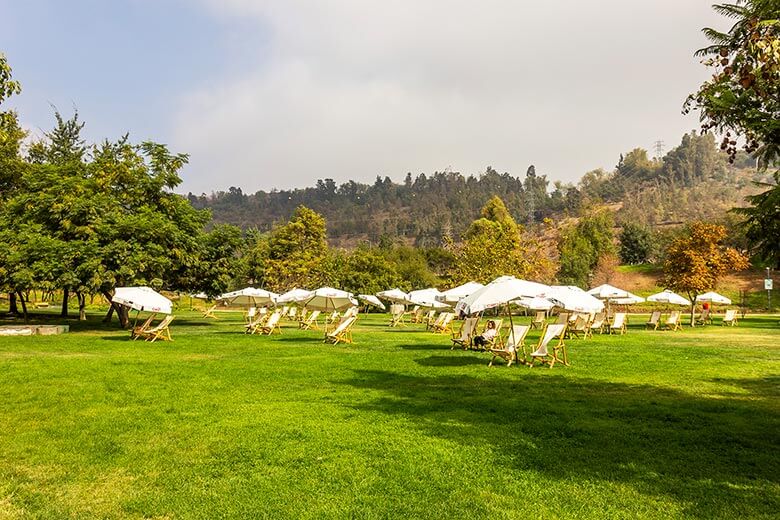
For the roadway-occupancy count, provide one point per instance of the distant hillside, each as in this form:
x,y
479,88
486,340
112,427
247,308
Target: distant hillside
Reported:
x,y
693,181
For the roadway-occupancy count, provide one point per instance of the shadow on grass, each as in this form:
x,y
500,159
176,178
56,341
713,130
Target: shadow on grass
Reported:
x,y
425,346
715,456
450,361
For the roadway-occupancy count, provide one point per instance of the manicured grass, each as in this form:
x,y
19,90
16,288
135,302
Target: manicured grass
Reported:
x,y
222,425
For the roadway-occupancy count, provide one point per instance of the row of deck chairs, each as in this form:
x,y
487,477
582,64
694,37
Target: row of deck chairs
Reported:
x,y
674,320
151,333
550,349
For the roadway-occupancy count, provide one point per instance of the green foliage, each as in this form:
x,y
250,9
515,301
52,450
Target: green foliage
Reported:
x,y
762,222
366,270
636,244
582,245
219,260
743,95
297,251
411,266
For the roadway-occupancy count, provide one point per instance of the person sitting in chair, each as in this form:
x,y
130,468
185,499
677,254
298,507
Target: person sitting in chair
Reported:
x,y
487,336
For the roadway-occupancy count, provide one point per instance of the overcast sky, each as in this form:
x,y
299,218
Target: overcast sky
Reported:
x,y
279,93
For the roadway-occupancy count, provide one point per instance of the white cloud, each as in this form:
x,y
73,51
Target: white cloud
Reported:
x,y
350,89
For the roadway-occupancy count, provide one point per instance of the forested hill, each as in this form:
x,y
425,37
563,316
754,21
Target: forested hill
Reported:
x,y
694,178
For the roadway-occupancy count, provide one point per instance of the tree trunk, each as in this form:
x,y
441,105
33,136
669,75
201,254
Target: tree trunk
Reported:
x,y
121,311
82,306
692,297
12,307
65,295
24,305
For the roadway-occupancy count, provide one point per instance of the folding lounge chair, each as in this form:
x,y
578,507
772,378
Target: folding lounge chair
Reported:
x,y
292,314
598,323
417,316
161,331
654,321
256,325
618,325
539,320
543,353
496,341
430,319
445,326
563,319
140,329
580,327
271,325
343,332
396,315
285,310
310,322
210,312
705,317
673,321
463,337
352,311
514,343
730,318
250,314
412,313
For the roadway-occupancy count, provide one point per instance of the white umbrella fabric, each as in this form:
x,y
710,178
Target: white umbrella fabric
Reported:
x,y
574,299
426,298
329,299
668,296
713,297
371,299
454,295
294,296
608,292
498,292
249,296
394,295
535,304
142,299
629,300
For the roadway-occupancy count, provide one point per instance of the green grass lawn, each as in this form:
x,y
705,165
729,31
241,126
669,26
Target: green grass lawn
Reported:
x,y
222,425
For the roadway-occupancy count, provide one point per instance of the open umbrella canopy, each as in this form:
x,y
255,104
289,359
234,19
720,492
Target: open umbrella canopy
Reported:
x,y
452,296
371,299
293,296
668,296
535,304
713,297
249,296
394,295
631,299
608,292
427,298
329,299
574,299
498,292
142,299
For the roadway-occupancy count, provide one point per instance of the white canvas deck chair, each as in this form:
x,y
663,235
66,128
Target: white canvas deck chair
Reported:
x,y
546,354
417,315
599,320
256,325
673,321
580,327
161,331
285,310
539,320
352,311
515,343
730,318
464,335
271,324
654,321
618,325
445,325
343,332
397,315
563,319
209,313
430,319
140,329
310,323
250,314
292,313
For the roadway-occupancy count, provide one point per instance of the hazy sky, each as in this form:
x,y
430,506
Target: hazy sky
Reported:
x,y
278,93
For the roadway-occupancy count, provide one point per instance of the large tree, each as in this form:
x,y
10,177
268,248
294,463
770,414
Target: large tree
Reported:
x,y
297,252
697,259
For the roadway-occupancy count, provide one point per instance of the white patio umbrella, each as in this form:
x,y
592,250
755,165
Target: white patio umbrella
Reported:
x,y
452,296
329,299
427,298
293,296
574,299
629,300
142,299
535,304
608,292
499,292
371,299
249,296
668,296
394,295
713,297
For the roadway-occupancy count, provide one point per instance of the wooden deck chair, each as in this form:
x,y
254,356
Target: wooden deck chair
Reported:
x,y
343,332
539,320
673,321
271,324
310,323
545,354
161,331
580,327
292,313
412,312
655,319
618,325
285,310
563,319
417,315
397,315
140,329
705,317
352,311
250,314
430,319
730,318
466,332
514,344
446,324
210,312
497,341
597,323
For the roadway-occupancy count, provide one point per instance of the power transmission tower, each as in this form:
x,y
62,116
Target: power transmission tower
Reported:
x,y
659,147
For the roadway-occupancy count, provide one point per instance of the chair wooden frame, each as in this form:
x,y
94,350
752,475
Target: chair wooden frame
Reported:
x,y
597,323
342,333
580,327
539,320
209,313
397,315
673,321
445,325
654,321
619,322
310,323
514,342
141,329
465,334
160,331
271,324
730,318
546,355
